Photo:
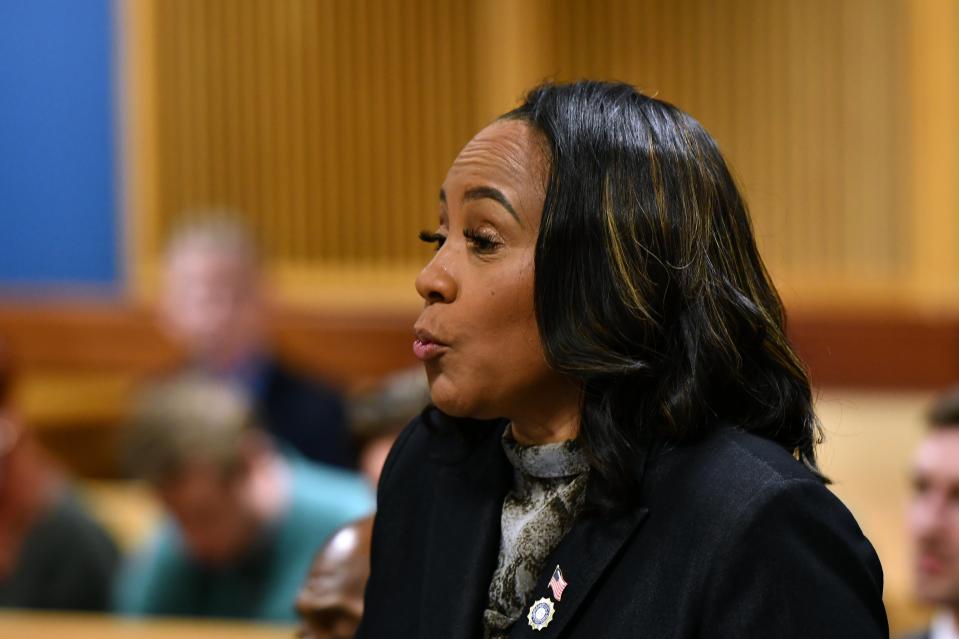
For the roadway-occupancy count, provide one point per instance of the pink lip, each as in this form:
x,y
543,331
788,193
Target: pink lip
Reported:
x,y
427,347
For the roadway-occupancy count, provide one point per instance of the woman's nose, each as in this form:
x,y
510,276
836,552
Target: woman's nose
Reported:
x,y
436,283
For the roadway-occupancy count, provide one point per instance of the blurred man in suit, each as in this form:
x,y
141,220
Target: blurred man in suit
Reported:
x,y
214,306
933,518
244,521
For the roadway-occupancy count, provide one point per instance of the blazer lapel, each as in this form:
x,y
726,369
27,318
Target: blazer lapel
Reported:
x,y
464,536
583,555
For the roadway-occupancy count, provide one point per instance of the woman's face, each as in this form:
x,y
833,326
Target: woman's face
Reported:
x,y
477,333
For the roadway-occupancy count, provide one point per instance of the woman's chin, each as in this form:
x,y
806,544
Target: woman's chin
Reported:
x,y
451,406
451,400
459,409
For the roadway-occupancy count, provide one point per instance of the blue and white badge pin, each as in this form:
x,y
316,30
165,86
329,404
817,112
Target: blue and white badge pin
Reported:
x,y
540,613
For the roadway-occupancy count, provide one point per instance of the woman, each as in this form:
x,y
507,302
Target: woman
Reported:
x,y
622,442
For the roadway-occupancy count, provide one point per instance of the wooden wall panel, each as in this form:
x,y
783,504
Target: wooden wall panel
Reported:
x,y
933,92
804,98
328,124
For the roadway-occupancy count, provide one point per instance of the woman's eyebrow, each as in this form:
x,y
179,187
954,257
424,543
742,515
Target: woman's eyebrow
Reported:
x,y
481,192
488,192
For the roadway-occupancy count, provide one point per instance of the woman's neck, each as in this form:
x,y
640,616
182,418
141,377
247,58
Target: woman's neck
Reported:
x,y
555,420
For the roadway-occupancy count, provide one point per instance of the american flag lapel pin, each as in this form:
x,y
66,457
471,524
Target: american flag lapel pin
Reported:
x,y
542,610
557,584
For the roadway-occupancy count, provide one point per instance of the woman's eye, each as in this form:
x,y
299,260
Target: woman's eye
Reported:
x,y
480,241
433,238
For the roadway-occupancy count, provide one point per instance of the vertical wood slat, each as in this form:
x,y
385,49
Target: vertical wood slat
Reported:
x,y
329,124
797,94
326,124
934,190
327,139
143,124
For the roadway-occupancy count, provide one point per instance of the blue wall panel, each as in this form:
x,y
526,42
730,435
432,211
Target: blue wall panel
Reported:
x,y
58,220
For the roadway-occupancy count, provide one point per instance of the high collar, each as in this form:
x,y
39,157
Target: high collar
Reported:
x,y
545,461
463,533
943,626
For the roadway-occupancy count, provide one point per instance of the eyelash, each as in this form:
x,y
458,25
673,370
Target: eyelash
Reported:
x,y
481,242
432,238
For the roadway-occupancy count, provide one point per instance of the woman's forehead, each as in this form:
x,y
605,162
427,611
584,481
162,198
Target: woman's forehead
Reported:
x,y
506,154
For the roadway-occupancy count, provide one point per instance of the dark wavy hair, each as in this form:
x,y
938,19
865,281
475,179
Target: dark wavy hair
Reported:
x,y
649,288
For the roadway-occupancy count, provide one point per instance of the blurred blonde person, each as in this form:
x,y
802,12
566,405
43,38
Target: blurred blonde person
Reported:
x,y
244,520
214,305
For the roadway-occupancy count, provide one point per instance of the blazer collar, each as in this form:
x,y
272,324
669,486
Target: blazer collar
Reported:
x,y
583,556
463,532
464,535
586,552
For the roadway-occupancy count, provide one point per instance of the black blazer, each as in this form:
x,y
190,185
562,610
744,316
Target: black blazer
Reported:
x,y
734,538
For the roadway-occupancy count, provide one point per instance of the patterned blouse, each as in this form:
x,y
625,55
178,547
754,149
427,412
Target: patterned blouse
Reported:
x,y
548,491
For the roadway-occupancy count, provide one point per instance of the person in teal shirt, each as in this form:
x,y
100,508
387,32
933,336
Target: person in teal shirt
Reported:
x,y
244,517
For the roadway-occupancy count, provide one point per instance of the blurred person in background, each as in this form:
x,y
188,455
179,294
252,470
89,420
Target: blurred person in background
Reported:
x,y
245,519
378,414
214,306
933,518
52,553
330,603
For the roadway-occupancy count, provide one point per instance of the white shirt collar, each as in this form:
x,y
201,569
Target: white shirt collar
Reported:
x,y
943,626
